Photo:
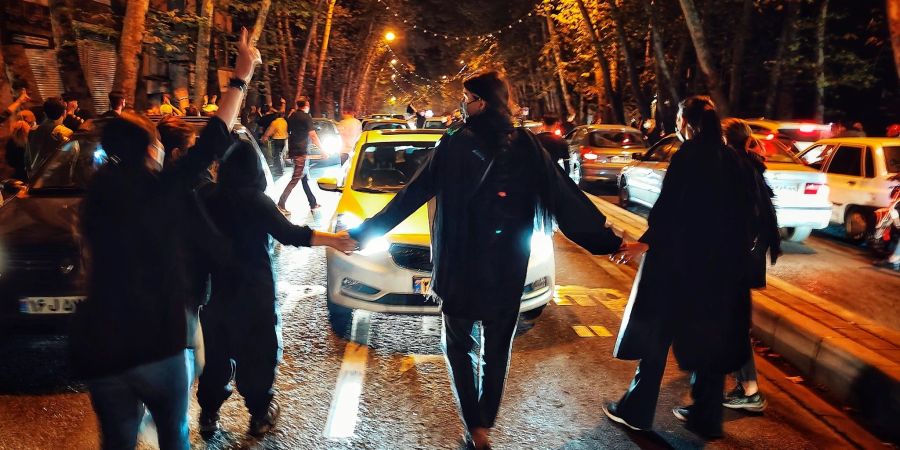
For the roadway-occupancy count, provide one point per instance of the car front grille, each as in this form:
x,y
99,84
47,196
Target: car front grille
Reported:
x,y
412,257
63,261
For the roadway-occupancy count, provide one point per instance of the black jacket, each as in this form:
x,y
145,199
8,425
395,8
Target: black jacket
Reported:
x,y
488,194
249,220
768,239
693,285
135,229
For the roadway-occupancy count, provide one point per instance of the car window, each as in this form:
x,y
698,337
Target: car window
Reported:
x,y
71,167
621,139
387,167
759,129
817,155
846,161
870,163
660,150
386,126
672,148
434,125
325,127
776,151
892,159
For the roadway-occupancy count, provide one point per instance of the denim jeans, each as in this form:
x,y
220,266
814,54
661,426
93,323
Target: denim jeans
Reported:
x,y
119,402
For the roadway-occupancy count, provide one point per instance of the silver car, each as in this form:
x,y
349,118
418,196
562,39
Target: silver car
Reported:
x,y
801,192
600,152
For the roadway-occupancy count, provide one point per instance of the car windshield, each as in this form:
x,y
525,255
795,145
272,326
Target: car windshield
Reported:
x,y
387,167
70,168
623,139
434,125
325,127
778,152
892,159
386,126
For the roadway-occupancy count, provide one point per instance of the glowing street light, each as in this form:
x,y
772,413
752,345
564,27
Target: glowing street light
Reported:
x,y
394,61
462,62
390,36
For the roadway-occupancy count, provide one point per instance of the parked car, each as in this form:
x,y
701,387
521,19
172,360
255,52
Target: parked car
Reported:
x,y
384,124
798,135
392,274
600,152
801,193
859,172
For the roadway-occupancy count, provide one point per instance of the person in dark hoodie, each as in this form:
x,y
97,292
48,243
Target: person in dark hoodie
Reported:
x,y
241,323
129,336
492,184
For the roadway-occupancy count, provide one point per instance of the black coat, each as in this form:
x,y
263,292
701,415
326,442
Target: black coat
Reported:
x,y
136,226
768,239
487,199
693,286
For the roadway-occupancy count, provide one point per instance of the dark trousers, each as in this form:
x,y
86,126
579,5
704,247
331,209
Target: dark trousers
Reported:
x,y
638,405
478,377
747,372
244,347
277,163
297,177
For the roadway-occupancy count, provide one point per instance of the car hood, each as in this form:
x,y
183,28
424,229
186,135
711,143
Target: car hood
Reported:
x,y
39,220
414,230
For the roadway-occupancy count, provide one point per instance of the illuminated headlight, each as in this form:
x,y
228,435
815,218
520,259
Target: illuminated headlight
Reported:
x,y
331,144
346,221
541,244
375,246
590,156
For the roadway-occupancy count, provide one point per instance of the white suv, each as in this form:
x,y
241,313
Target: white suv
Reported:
x,y
859,172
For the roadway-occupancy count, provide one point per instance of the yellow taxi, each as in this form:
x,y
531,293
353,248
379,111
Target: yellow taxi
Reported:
x,y
392,274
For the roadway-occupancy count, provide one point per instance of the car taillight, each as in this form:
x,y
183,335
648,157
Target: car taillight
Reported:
x,y
590,156
812,188
584,149
557,132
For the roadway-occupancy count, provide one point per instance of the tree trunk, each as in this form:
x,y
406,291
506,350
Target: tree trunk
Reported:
x,y
323,53
820,61
554,42
201,66
301,70
893,16
363,84
630,65
6,93
659,54
130,46
704,55
260,21
780,55
283,67
737,56
73,79
615,100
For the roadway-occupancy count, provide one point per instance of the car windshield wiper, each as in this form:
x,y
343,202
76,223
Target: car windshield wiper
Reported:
x,y
370,190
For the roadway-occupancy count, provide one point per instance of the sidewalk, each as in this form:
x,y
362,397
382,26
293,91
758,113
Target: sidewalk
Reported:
x,y
855,360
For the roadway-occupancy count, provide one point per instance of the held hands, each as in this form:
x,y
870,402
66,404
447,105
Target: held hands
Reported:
x,y
339,241
628,251
248,57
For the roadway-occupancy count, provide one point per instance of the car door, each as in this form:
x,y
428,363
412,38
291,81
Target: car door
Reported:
x,y
647,179
845,170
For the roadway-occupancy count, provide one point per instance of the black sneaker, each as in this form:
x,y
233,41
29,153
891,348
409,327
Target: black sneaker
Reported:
x,y
737,392
262,425
754,403
683,413
610,410
209,424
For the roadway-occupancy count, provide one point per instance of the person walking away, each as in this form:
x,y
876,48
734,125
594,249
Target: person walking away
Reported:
x,y
301,130
350,129
13,107
241,323
167,108
692,291
128,337
15,150
73,120
49,135
553,143
278,133
116,105
746,394
492,184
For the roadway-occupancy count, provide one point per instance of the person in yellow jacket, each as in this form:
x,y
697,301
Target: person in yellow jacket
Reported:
x,y
278,133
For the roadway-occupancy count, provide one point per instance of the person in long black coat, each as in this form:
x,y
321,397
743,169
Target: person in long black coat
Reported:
x,y
490,182
692,291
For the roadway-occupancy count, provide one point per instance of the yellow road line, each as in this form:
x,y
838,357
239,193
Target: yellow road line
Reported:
x,y
583,331
600,331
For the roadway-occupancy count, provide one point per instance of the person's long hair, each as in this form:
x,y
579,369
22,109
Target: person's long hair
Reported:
x,y
19,134
699,112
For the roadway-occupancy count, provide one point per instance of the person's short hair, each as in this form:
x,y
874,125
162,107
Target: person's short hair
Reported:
x,y
349,112
192,111
550,120
26,115
54,108
69,97
175,132
303,102
116,98
127,137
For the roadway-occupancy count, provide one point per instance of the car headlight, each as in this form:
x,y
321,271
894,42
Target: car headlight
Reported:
x,y
346,221
331,144
375,246
541,244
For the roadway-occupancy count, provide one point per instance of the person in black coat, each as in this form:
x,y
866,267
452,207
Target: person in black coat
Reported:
x,y
490,183
692,291
241,323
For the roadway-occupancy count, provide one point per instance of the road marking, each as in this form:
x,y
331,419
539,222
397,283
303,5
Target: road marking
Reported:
x,y
344,413
583,331
583,300
564,300
600,331
411,361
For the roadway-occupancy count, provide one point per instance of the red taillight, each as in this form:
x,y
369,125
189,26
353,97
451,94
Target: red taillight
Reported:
x,y
583,149
557,132
812,188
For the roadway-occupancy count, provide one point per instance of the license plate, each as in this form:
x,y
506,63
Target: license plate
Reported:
x,y
620,159
49,305
421,285
784,187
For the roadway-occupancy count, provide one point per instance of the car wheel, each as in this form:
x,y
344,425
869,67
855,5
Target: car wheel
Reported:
x,y
624,195
795,234
341,319
534,313
858,224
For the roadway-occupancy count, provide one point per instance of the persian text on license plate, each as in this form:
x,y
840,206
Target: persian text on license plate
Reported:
x,y
421,285
620,159
784,187
49,305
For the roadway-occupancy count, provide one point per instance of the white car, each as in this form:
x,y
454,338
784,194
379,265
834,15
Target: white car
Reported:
x,y
859,172
801,193
393,274
800,134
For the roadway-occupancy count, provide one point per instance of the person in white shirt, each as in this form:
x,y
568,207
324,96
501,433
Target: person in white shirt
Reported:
x,y
350,129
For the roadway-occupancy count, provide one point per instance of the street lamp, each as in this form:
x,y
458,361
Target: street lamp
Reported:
x,y
394,61
390,36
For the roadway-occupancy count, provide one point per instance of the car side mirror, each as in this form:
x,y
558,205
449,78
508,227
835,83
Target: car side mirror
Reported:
x,y
637,156
329,184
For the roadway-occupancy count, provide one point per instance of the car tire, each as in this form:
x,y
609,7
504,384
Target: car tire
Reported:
x,y
624,195
795,234
858,224
533,314
341,319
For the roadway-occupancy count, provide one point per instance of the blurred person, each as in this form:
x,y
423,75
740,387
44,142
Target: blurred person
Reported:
x,y
350,129
116,105
693,288
48,136
128,338
14,107
858,128
555,145
242,323
278,133
27,116
301,131
268,114
493,186
73,119
15,149
167,108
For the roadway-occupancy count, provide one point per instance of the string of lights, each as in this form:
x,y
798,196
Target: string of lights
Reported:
x,y
459,37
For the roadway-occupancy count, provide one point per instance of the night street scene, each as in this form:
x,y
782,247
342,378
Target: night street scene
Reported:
x,y
422,224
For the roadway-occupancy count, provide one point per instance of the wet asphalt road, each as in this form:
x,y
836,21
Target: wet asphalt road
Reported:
x,y
395,391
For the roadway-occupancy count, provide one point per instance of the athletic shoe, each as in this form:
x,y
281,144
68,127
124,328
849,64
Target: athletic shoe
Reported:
x,y
610,410
754,403
260,426
209,424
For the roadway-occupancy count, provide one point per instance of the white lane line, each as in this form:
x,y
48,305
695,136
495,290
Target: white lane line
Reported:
x,y
344,413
